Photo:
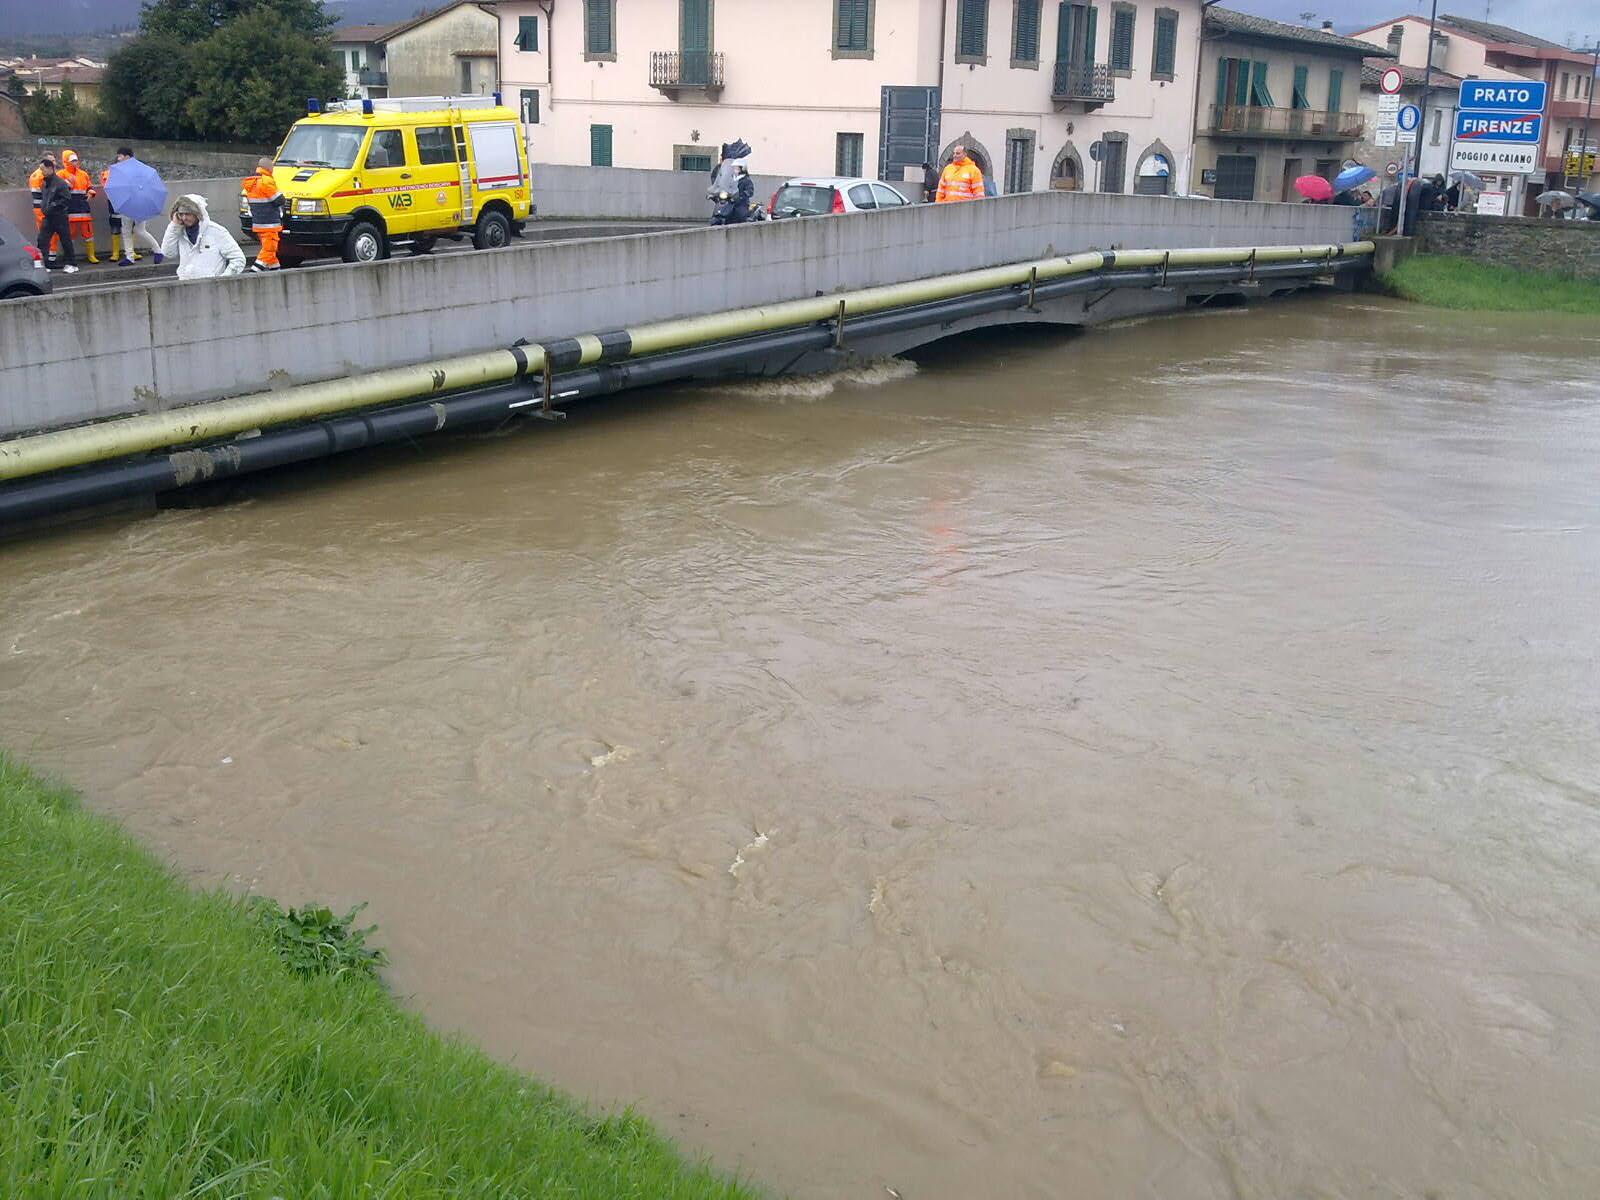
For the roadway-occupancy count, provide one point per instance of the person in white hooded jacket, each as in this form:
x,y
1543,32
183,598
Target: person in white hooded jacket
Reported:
x,y
204,249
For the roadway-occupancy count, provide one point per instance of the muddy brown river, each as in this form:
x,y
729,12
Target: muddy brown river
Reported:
x,y
1154,763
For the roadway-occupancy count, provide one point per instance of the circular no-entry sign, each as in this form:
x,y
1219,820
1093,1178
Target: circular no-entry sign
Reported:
x,y
1392,80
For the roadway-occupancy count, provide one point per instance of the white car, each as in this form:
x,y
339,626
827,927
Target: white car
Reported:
x,y
819,195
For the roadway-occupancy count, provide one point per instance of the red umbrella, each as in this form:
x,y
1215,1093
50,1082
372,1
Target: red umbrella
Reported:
x,y
1314,187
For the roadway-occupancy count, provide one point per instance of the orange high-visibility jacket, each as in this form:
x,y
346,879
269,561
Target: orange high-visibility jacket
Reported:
x,y
82,186
266,200
961,181
36,186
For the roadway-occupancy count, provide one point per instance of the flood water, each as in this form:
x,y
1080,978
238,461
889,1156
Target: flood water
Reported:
x,y
1159,762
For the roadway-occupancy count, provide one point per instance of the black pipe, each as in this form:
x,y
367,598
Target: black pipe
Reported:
x,y
103,483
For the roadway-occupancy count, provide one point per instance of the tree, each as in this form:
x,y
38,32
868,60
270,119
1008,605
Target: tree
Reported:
x,y
147,86
196,20
253,75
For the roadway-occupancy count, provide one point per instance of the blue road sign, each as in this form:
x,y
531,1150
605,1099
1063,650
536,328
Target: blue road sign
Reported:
x,y
1408,118
1517,129
1503,95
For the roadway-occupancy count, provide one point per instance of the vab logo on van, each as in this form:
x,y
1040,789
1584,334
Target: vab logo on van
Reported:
x,y
400,200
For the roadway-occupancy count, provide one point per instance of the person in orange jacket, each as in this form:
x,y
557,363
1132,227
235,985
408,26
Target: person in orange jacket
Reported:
x,y
36,186
80,218
266,214
961,180
126,234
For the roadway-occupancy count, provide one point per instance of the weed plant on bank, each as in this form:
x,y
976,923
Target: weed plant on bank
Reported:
x,y
1460,283
157,1042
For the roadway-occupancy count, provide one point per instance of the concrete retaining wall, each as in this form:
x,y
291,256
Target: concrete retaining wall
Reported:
x,y
78,356
1569,248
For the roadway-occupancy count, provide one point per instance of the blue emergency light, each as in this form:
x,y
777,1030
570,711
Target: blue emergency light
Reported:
x,y
366,107
313,105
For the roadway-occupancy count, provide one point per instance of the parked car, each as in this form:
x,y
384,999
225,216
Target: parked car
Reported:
x,y
22,271
815,197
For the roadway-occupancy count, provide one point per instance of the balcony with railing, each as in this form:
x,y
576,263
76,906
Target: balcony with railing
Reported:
x,y
673,72
1088,84
1299,124
368,77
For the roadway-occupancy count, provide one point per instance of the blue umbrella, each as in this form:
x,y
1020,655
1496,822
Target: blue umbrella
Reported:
x,y
1353,177
136,191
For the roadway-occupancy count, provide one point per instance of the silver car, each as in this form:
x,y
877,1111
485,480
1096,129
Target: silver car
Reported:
x,y
22,272
818,195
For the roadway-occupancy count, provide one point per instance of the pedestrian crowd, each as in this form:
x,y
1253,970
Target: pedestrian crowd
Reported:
x,y
204,249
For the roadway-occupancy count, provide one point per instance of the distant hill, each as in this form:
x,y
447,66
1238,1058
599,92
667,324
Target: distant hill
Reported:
x,y
32,18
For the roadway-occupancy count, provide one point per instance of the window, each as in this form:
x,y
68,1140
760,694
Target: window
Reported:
x,y
1236,177
692,158
530,106
852,28
1019,161
388,149
972,31
1075,33
528,34
1563,85
1025,33
600,31
435,145
1300,98
1113,161
466,76
1122,17
1397,37
1438,120
847,154
887,197
1260,97
599,145
861,196
1164,61
1335,89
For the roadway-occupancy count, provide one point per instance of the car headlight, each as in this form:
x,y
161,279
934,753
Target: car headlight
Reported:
x,y
311,208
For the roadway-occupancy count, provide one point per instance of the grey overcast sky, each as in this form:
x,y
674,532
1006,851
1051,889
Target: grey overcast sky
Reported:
x,y
1553,19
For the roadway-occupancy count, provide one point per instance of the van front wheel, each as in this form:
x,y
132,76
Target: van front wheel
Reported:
x,y
492,231
365,243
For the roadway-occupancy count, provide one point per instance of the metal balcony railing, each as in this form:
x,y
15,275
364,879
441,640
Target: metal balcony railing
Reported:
x,y
671,70
1303,123
1084,83
367,77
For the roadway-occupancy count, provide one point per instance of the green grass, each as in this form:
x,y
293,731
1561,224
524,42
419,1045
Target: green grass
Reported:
x,y
153,1044
1461,283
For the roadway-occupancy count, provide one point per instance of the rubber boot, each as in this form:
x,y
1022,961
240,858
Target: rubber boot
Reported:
x,y
88,250
116,247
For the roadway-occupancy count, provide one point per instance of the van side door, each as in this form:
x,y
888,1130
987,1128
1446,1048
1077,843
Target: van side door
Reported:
x,y
439,176
390,180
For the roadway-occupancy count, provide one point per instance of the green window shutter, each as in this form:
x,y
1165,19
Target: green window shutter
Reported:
x,y
598,27
1068,14
1122,39
528,33
1025,47
1091,16
1300,100
1259,95
852,22
1335,89
599,145
1166,53
974,28
694,26
1222,82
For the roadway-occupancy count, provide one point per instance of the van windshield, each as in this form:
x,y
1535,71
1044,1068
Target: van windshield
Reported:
x,y
322,146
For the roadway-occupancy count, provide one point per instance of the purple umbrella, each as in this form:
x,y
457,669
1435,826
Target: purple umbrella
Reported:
x,y
136,191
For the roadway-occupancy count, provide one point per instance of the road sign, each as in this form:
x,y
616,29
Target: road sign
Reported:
x,y
1385,136
1392,80
1097,150
1491,204
1499,126
1392,170
1388,103
1406,122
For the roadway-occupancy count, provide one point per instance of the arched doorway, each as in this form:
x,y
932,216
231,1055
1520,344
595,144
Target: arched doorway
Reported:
x,y
1154,175
976,151
1066,172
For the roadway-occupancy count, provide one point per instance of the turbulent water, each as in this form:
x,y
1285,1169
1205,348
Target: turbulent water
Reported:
x,y
1160,762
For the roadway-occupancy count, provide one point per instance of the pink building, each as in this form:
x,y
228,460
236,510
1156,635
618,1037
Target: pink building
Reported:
x,y
1481,50
862,87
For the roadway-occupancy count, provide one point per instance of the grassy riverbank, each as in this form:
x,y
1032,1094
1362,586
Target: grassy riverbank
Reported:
x,y
154,1045
1461,283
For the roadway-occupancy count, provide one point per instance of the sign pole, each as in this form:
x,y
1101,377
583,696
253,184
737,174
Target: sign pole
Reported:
x,y
1583,152
1427,86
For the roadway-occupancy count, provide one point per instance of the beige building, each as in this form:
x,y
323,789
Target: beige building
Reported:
x,y
1473,49
52,75
449,51
1277,102
868,87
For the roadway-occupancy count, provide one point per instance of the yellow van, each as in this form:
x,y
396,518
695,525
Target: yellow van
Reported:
x,y
368,176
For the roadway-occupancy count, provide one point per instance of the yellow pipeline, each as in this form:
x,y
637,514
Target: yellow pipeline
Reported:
x,y
223,418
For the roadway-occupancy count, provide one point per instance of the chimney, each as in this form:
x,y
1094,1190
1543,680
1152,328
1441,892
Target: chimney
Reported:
x,y
1327,27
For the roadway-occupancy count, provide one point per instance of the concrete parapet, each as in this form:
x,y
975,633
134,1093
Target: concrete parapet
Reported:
x,y
79,356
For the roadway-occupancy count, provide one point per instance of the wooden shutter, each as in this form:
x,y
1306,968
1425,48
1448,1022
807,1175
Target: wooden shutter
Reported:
x,y
1259,95
852,22
1222,82
1025,46
974,28
1122,39
1069,15
1166,53
599,145
1335,89
1300,99
1091,17
597,27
